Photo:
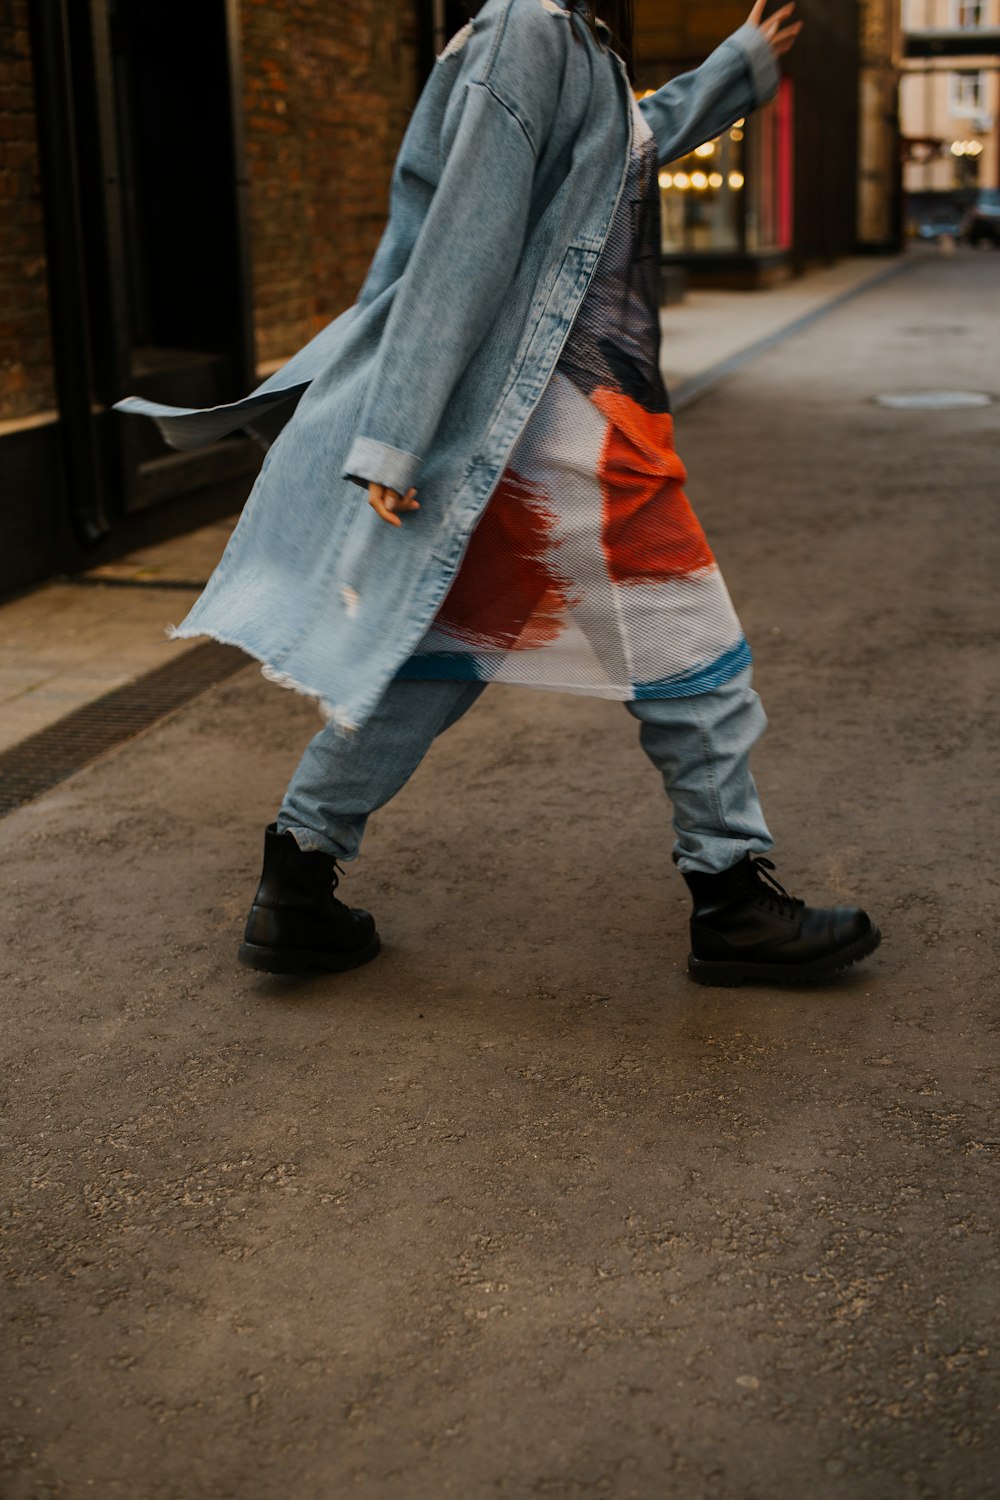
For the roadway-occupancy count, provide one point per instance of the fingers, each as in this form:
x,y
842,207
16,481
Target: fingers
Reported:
x,y
386,502
775,22
781,14
785,40
776,31
380,507
756,16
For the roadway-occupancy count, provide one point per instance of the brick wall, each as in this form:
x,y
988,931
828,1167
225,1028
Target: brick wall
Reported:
x,y
26,384
328,90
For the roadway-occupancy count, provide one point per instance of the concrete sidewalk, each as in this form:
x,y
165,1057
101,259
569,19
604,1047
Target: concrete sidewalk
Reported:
x,y
517,1210
711,329
66,644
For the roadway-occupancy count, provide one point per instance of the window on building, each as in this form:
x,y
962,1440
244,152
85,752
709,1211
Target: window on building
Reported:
x,y
968,14
967,94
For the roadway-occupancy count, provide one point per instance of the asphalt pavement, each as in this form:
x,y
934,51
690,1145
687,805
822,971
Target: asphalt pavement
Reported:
x,y
518,1210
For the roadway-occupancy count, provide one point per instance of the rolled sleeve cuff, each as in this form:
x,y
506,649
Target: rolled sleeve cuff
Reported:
x,y
761,61
372,462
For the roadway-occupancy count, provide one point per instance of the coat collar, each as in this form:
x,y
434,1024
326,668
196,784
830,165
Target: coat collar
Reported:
x,y
600,25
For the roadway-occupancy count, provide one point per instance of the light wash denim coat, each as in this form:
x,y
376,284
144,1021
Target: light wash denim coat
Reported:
x,y
506,184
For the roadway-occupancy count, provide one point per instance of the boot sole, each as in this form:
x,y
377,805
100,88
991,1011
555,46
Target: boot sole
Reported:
x,y
304,961
731,973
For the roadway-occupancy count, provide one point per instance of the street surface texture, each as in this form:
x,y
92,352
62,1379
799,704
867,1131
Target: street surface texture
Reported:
x,y
518,1210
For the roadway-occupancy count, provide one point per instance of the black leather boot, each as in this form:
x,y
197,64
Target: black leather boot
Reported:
x,y
746,926
296,924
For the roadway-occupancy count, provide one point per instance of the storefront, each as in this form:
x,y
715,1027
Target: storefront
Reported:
x,y
727,206
778,192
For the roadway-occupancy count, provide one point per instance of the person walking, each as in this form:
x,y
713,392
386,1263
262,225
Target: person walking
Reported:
x,y
478,483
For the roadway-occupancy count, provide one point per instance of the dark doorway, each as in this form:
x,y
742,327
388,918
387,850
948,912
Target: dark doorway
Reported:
x,y
140,133
439,20
179,195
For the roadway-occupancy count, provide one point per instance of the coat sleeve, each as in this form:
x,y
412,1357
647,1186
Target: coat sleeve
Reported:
x,y
464,258
736,79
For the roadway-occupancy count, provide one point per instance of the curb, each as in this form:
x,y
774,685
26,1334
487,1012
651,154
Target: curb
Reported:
x,y
691,390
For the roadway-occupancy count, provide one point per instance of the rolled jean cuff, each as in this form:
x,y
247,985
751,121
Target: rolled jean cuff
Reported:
x,y
714,856
372,462
760,59
311,842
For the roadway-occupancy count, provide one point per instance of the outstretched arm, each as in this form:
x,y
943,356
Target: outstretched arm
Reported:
x,y
736,79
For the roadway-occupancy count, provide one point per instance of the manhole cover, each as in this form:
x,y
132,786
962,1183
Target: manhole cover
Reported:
x,y
933,400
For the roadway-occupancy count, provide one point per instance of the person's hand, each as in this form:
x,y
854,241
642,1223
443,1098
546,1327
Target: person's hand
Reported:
x,y
385,502
776,29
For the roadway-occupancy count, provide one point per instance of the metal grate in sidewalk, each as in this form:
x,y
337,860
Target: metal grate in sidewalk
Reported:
x,y
44,759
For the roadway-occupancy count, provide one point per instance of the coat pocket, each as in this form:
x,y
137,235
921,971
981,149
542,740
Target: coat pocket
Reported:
x,y
550,318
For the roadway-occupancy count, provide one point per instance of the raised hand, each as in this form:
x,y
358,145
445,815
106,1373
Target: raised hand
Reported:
x,y
779,30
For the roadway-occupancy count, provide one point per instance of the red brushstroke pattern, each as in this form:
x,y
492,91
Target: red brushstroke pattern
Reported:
x,y
649,533
506,594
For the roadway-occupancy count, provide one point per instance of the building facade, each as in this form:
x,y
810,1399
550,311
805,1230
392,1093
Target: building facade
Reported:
x,y
190,189
950,102
879,183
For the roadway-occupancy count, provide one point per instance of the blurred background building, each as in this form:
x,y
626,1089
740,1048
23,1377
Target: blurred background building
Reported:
x,y
949,108
191,188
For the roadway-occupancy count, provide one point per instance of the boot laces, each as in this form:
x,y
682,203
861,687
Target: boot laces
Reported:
x,y
770,889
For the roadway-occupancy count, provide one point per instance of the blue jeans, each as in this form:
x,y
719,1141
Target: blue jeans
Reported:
x,y
700,746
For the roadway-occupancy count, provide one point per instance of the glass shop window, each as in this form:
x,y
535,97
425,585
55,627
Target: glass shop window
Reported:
x,y
702,196
733,195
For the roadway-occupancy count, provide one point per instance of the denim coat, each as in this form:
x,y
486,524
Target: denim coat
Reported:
x,y
502,195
